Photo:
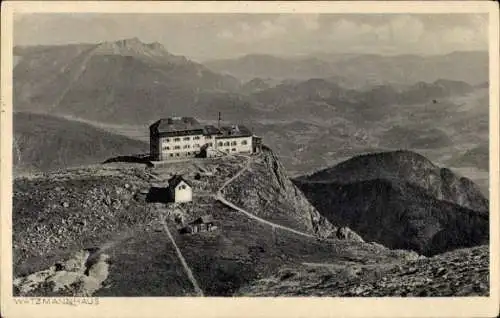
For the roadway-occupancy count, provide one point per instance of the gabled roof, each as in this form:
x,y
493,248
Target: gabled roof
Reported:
x,y
234,131
175,180
175,124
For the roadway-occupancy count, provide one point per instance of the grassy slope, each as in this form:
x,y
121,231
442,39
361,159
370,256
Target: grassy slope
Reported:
x,y
42,142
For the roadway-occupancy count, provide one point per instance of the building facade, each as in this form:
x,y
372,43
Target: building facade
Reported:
x,y
180,190
175,138
184,137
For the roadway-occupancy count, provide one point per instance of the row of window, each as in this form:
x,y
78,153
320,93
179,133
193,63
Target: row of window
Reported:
x,y
220,144
179,147
177,139
233,143
182,154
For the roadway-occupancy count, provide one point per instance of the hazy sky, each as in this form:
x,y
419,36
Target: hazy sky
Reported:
x,y
208,36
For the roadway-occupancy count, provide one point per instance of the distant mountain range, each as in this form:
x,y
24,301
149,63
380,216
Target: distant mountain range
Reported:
x,y
361,69
401,200
129,81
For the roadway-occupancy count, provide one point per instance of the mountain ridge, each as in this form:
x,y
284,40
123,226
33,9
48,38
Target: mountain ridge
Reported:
x,y
43,143
407,166
401,200
389,69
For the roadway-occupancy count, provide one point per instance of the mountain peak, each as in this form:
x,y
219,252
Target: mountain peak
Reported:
x,y
131,47
130,42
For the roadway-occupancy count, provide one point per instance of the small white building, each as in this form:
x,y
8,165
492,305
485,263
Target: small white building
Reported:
x,y
180,190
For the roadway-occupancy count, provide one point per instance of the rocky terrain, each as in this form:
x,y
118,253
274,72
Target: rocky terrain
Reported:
x,y
106,230
401,200
462,272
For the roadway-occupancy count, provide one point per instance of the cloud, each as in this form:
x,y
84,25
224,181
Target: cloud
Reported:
x,y
272,26
405,33
226,35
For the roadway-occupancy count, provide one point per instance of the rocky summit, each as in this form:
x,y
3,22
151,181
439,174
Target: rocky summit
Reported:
x,y
108,230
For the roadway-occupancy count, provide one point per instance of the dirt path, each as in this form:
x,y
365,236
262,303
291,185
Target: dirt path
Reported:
x,y
253,216
223,200
239,173
187,269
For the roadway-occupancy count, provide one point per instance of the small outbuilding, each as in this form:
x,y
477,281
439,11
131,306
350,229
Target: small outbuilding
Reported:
x,y
201,224
180,190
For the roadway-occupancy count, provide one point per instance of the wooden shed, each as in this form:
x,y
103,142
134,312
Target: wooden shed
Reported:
x,y
201,224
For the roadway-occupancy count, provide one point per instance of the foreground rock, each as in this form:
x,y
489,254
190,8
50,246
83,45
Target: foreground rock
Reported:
x,y
462,272
81,275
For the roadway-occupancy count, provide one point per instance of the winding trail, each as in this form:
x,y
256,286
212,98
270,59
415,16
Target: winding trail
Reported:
x,y
187,269
224,201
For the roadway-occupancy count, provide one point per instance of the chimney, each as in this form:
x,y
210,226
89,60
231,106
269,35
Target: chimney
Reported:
x,y
218,122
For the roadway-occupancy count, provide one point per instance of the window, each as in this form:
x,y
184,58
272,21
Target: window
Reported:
x,y
220,143
177,147
196,146
171,155
187,138
196,137
207,138
234,149
226,143
168,139
189,153
210,144
177,139
233,143
187,146
244,142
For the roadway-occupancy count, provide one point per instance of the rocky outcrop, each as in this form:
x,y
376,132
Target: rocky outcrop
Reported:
x,y
345,233
268,192
81,275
